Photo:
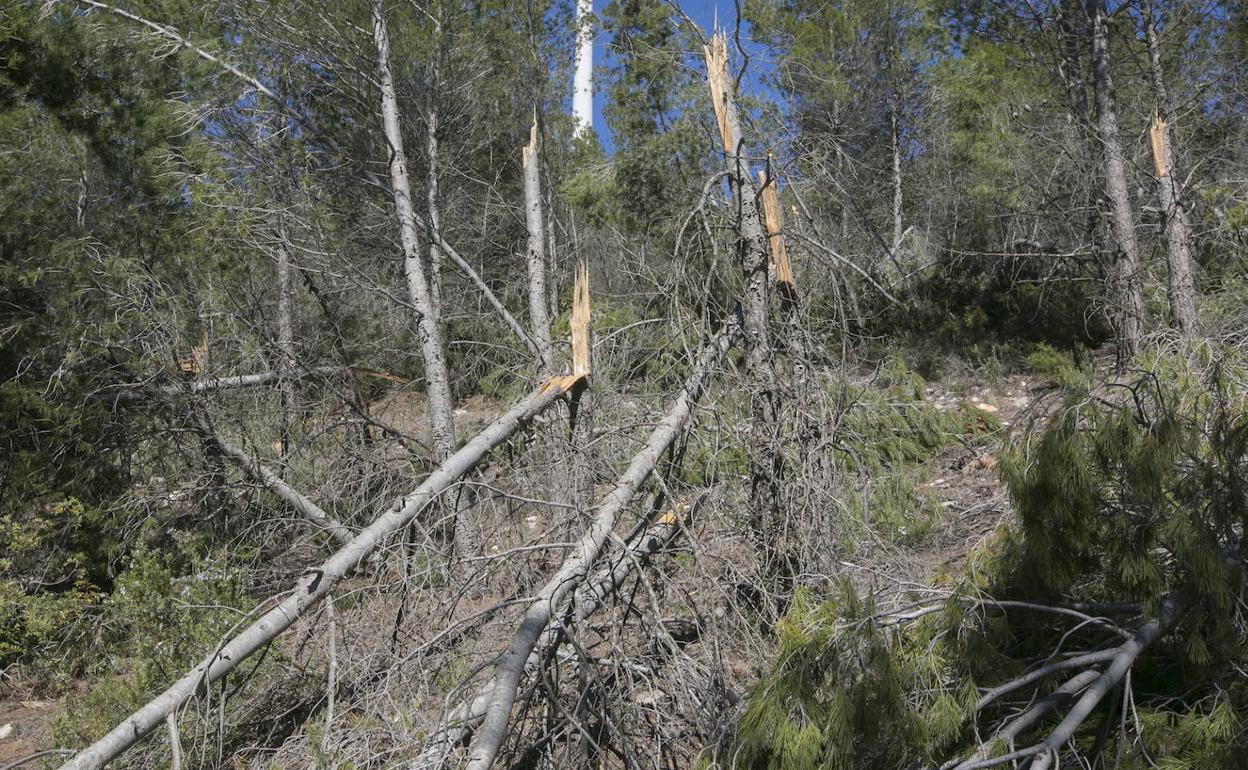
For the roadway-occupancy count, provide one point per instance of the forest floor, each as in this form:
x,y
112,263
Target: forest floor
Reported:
x,y
25,727
960,484
964,482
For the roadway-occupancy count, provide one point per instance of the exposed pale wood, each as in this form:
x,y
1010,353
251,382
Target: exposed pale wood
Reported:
x,y
196,362
773,217
1157,138
715,52
580,322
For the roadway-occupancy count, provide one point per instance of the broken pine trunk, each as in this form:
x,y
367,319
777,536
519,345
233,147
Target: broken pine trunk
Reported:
x,y
1181,288
767,506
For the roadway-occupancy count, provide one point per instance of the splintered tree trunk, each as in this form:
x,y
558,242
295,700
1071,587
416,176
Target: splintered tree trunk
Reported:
x,y
428,324
539,318
753,251
316,584
1181,288
580,489
1125,281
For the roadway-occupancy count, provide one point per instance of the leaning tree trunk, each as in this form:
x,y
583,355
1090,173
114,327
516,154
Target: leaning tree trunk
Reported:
x,y
428,322
1125,280
317,584
1181,288
754,254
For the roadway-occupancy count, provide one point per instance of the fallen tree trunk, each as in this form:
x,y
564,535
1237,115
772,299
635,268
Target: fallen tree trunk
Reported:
x,y
463,721
144,392
501,692
1124,659
317,583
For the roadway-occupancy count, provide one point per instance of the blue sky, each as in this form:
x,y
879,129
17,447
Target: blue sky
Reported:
x,y
705,13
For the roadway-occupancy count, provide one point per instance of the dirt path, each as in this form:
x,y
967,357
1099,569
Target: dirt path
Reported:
x,y
25,727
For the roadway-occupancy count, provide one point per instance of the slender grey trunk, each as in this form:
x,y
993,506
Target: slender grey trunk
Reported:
x,y
285,336
898,227
428,323
433,159
1181,288
539,318
1125,280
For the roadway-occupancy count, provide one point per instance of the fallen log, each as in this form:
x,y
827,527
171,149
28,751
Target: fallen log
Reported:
x,y
317,583
131,393
461,723
488,715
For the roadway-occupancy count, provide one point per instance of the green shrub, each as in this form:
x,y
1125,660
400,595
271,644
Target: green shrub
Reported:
x,y
1132,493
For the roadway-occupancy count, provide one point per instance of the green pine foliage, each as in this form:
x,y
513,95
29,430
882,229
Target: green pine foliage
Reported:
x,y
846,693
1130,492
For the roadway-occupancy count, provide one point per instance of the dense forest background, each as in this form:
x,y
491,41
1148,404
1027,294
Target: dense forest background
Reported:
x,y
872,393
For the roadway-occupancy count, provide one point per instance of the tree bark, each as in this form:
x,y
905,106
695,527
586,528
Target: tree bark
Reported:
x,y
583,82
1181,288
1125,280
539,318
285,336
428,324
898,221
433,158
317,584
754,257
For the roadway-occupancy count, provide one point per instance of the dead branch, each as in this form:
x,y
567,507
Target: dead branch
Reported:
x,y
272,482
169,33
